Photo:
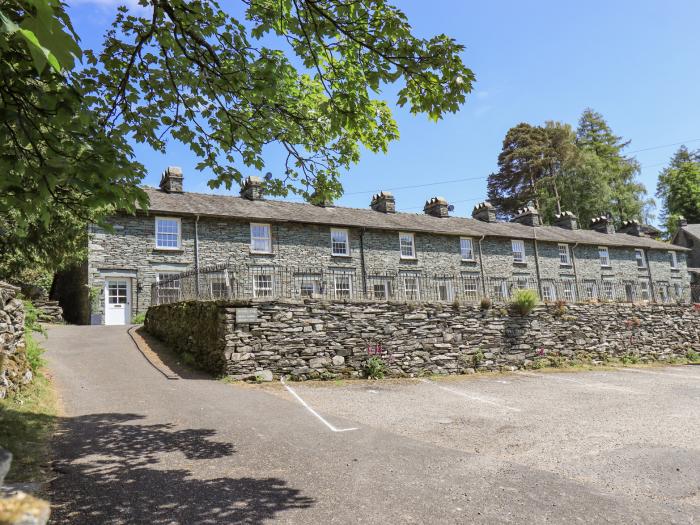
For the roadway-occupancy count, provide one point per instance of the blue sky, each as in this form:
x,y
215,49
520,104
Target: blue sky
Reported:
x,y
636,62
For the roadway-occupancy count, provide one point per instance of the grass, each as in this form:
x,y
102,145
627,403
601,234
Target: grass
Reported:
x,y
27,422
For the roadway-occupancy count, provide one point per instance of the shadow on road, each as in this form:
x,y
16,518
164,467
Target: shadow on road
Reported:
x,y
108,469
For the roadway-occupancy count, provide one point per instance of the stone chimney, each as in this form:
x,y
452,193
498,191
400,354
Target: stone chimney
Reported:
x,y
603,224
171,181
632,227
437,207
566,220
484,212
251,189
682,222
529,216
383,202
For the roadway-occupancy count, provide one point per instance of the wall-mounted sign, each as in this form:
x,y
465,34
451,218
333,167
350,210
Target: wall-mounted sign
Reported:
x,y
246,315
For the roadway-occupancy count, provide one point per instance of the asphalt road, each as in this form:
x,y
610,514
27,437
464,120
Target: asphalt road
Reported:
x,y
135,447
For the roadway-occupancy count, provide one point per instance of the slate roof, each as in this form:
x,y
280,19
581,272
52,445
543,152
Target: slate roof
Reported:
x,y
692,229
226,206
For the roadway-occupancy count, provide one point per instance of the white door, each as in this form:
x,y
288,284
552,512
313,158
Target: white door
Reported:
x,y
117,301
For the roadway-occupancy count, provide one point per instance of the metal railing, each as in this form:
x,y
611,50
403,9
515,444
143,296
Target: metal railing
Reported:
x,y
336,284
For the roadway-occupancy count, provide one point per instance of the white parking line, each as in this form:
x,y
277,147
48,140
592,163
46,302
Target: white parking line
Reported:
x,y
584,384
307,407
472,397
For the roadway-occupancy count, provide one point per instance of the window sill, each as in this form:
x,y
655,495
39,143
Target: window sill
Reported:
x,y
675,269
468,260
408,258
168,250
520,263
605,267
342,256
565,265
251,252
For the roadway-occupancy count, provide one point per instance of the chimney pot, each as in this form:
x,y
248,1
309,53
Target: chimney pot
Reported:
x,y
437,207
529,216
566,220
484,212
171,180
383,202
632,227
251,189
603,224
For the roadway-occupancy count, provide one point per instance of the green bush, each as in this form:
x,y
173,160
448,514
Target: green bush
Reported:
x,y
485,303
478,358
693,356
31,325
375,368
524,301
139,318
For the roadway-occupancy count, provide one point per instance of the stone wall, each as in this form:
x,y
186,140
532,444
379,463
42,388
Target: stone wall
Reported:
x,y
313,339
14,368
195,330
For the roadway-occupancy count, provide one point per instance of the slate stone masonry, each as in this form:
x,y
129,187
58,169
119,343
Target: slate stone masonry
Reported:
x,y
14,368
315,339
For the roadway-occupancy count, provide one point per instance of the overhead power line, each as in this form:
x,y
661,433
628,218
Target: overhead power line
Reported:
x,y
417,185
663,146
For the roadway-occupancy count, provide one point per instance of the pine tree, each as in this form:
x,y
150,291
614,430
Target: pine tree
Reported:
x,y
679,189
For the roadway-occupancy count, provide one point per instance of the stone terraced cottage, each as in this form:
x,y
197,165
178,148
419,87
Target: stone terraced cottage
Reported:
x,y
254,247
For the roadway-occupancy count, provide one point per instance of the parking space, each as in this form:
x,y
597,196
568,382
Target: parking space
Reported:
x,y
632,432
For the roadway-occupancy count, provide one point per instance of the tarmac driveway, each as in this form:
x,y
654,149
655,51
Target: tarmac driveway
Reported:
x,y
136,447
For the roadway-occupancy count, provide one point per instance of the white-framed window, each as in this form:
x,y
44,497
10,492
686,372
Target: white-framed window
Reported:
x,y
218,285
342,285
381,289
445,289
260,238
662,288
340,243
590,290
549,292
604,256
471,287
608,290
499,289
466,248
168,233
518,247
645,289
168,287
309,285
678,290
569,290
411,287
640,258
262,285
673,259
564,256
407,245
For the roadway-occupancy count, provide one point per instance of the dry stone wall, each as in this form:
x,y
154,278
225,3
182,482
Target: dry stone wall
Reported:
x,y
314,339
14,368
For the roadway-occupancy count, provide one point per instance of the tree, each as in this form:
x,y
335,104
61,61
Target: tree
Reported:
x,y
196,74
558,170
679,189
532,165
627,196
192,72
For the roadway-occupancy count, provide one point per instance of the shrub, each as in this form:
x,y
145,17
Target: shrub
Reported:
x,y
630,359
540,363
139,318
559,307
375,368
524,301
693,356
485,303
478,358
